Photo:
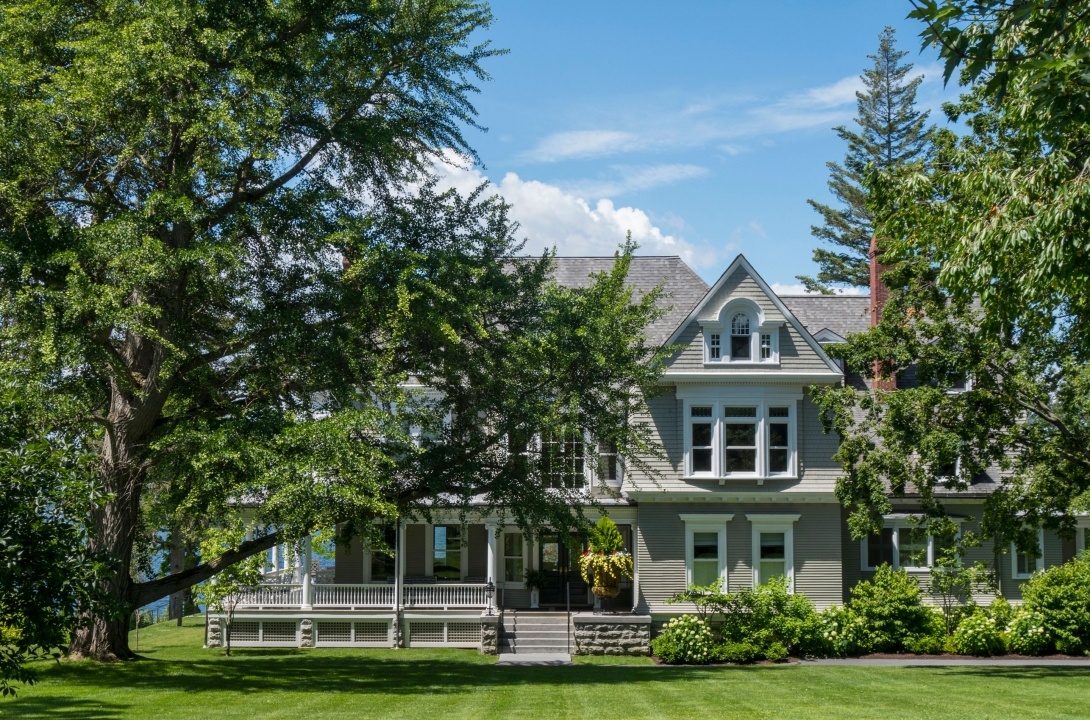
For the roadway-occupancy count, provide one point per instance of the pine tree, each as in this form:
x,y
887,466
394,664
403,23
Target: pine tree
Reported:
x,y
892,134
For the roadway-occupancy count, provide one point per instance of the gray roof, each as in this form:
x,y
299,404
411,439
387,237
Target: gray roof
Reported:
x,y
842,314
682,287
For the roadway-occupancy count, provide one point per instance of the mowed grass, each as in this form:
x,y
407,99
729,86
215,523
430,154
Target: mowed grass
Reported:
x,y
179,679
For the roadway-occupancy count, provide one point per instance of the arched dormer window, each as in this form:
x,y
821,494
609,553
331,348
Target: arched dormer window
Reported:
x,y
739,337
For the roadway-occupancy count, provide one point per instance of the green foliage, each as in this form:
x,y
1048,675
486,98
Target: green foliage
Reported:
x,y
891,134
954,583
1061,595
889,610
1027,633
978,634
775,652
606,563
925,644
709,600
606,537
46,571
686,639
535,579
842,632
223,592
739,653
1001,611
768,615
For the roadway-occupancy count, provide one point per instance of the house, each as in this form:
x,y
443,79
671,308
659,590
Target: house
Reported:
x,y
746,493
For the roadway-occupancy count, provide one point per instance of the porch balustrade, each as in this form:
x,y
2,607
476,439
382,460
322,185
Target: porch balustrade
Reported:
x,y
377,596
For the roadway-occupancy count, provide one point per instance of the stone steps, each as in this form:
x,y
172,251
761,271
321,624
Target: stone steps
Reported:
x,y
534,632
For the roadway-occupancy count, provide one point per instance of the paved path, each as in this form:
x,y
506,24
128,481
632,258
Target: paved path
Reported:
x,y
950,662
534,659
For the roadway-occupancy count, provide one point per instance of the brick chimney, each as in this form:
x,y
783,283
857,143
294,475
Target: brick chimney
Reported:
x,y
879,293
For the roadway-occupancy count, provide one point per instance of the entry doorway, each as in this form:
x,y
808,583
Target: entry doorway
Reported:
x,y
561,566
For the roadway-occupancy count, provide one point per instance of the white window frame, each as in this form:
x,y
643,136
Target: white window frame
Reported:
x,y
762,399
757,420
512,584
784,523
722,327
702,523
897,525
1039,565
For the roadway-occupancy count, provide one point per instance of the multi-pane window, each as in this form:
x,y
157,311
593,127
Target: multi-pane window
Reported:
x,y
880,548
739,337
562,461
766,347
512,557
607,461
1027,562
705,558
702,439
740,439
912,547
773,556
779,448
713,346
447,559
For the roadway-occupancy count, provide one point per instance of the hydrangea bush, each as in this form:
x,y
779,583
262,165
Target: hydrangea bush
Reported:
x,y
686,639
1027,634
978,634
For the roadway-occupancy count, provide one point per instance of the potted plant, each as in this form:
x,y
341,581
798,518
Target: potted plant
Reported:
x,y
535,580
605,563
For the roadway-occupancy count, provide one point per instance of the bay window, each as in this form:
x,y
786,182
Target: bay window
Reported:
x,y
733,438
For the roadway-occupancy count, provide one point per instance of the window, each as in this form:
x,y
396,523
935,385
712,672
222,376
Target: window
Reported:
x,y
447,559
773,548
382,562
562,462
705,548
701,439
912,547
772,556
880,548
739,337
901,544
766,347
1025,563
779,447
607,461
705,558
512,557
740,439
713,346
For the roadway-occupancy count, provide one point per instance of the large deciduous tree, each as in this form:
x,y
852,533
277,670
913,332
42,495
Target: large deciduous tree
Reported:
x,y
990,272
891,133
221,260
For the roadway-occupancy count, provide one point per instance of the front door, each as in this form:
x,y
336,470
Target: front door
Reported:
x,y
561,567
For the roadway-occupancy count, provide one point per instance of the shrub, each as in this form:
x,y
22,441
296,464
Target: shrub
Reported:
x,y
842,632
1061,595
775,652
889,610
978,634
1001,611
736,652
688,640
768,614
925,644
1027,634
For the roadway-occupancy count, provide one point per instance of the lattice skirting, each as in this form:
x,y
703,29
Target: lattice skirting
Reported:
x,y
358,633
444,633
282,633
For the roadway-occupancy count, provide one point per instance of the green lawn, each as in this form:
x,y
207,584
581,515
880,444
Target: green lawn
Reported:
x,y
178,679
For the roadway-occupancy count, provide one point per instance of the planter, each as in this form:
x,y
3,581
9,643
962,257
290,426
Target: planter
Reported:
x,y
535,598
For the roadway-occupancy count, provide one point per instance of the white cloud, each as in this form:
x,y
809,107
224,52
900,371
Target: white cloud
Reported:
x,y
635,178
839,93
781,289
582,144
550,216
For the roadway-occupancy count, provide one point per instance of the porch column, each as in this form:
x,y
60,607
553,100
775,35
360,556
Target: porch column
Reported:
x,y
491,528
399,579
276,560
308,598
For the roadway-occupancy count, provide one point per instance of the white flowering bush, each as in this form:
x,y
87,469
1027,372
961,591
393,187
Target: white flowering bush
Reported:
x,y
978,634
1027,634
842,631
686,639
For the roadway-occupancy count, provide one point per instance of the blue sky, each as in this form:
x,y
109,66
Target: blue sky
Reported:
x,y
702,127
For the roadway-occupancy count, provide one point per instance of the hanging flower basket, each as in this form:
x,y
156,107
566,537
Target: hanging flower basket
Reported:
x,y
604,572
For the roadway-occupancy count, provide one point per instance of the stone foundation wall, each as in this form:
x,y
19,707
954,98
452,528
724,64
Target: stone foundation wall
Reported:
x,y
612,634
490,634
214,633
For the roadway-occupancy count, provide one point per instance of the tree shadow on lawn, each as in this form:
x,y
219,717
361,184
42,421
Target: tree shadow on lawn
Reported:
x,y
401,674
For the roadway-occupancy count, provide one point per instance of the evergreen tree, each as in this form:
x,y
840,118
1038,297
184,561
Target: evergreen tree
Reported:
x,y
892,134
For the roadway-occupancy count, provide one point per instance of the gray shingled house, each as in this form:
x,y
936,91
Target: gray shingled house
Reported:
x,y
746,493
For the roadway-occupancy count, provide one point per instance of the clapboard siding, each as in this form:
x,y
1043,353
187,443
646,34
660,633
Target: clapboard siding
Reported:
x,y
818,470
661,548
664,422
740,285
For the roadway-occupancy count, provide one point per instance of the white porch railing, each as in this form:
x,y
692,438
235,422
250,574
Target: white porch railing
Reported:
x,y
444,596
271,596
354,596
454,595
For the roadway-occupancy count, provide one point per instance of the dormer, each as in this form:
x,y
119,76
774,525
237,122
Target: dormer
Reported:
x,y
741,335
